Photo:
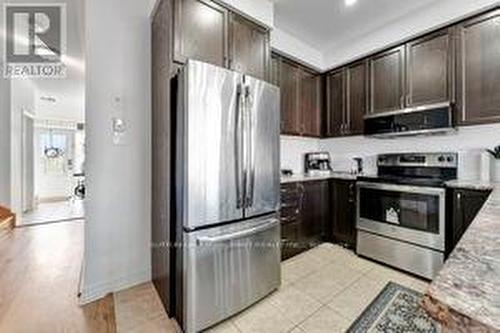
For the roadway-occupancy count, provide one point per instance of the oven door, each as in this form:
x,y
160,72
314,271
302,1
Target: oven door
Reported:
x,y
413,214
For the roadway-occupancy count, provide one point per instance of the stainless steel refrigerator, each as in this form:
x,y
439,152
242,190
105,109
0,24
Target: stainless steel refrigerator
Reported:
x,y
227,193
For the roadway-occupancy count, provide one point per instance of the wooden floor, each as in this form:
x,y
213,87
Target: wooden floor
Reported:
x,y
39,274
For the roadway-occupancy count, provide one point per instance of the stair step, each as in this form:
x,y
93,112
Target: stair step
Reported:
x,y
6,223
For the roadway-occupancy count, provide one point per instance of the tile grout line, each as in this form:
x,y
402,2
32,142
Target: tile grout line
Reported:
x,y
325,305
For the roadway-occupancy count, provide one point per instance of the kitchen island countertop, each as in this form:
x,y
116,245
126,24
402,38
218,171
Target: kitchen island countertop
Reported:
x,y
465,296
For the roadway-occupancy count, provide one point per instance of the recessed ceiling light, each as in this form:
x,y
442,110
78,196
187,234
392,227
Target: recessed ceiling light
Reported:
x,y
350,2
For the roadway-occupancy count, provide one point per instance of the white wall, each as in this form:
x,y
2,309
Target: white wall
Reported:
x,y
4,129
4,140
293,150
28,151
117,232
468,141
22,100
440,13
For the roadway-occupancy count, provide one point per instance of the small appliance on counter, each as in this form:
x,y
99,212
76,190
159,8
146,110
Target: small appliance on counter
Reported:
x,y
317,163
286,172
357,168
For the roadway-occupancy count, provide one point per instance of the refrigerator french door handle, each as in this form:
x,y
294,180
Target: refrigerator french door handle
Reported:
x,y
239,134
239,234
251,153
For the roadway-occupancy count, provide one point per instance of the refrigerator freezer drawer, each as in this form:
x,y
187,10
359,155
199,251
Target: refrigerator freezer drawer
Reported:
x,y
228,269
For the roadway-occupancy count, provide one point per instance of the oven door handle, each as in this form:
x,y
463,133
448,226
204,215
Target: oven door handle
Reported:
x,y
402,188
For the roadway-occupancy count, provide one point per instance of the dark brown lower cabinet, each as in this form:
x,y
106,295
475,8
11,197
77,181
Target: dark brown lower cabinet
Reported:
x,y
343,212
462,207
315,211
304,216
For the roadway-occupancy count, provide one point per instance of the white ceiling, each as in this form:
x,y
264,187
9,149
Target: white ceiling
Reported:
x,y
323,24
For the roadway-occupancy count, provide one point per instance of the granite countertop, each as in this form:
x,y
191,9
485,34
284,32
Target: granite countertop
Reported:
x,y
304,178
465,296
470,184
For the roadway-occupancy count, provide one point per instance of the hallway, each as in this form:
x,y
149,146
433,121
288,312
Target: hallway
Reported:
x,y
40,269
55,212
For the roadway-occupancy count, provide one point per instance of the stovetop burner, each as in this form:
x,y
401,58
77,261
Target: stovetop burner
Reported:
x,y
416,169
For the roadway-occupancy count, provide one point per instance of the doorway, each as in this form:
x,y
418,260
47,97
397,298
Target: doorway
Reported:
x,y
55,188
47,124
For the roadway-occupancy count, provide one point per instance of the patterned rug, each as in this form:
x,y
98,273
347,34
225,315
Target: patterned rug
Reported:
x,y
396,309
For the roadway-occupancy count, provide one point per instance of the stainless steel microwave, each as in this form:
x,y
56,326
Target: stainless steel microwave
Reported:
x,y
428,119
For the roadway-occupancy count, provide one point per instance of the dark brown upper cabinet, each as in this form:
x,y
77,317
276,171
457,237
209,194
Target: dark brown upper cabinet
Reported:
x,y
301,97
200,32
387,72
478,71
430,69
249,50
346,100
289,84
275,70
357,97
335,104
310,107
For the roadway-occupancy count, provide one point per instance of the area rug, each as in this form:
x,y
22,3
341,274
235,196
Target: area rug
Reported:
x,y
396,309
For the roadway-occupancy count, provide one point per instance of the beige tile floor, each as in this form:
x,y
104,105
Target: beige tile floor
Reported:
x,y
323,290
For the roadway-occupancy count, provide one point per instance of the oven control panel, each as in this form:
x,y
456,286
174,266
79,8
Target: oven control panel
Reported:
x,y
440,160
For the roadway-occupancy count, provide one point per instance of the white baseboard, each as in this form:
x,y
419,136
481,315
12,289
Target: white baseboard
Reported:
x,y
97,291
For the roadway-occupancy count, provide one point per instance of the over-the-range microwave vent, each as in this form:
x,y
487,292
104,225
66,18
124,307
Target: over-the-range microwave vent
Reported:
x,y
421,120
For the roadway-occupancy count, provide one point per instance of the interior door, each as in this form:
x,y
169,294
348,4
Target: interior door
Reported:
x,y
210,128
264,147
54,164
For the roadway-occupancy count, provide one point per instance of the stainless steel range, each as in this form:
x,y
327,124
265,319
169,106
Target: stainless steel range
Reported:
x,y
401,211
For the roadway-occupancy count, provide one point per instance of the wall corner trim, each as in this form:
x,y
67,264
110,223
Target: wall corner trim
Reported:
x,y
99,290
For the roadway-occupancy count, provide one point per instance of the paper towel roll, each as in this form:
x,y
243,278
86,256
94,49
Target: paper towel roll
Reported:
x,y
469,164
485,166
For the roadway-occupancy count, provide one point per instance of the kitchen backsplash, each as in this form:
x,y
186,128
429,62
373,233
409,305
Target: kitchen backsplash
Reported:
x,y
293,150
470,142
